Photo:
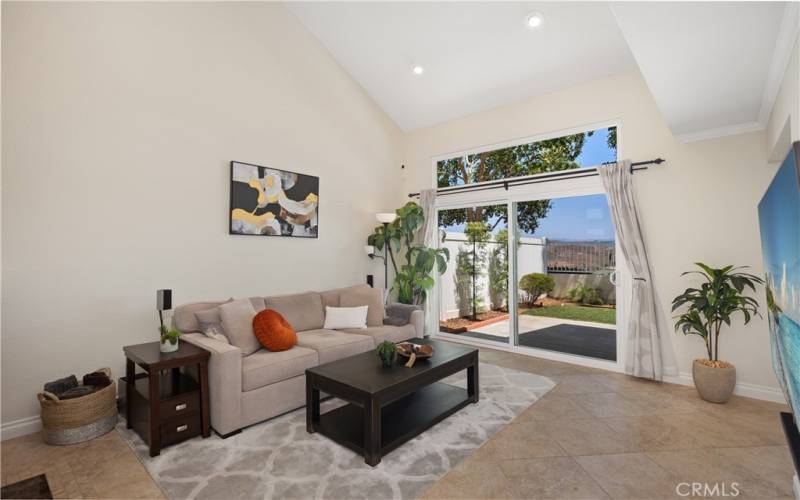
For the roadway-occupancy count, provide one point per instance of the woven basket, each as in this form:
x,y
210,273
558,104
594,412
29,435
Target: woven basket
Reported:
x,y
71,421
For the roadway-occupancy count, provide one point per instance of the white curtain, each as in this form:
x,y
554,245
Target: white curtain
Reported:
x,y
648,349
428,237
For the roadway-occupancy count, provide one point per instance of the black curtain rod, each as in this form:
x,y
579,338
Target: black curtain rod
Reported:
x,y
546,177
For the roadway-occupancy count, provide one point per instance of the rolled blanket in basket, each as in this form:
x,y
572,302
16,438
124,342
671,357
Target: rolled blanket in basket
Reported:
x,y
97,379
76,392
62,385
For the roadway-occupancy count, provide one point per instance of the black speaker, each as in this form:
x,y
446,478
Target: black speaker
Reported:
x,y
164,300
370,280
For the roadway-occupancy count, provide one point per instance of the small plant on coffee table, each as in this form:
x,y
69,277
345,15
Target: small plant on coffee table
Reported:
x,y
387,351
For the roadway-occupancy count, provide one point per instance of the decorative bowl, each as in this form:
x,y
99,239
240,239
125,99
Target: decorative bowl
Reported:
x,y
422,351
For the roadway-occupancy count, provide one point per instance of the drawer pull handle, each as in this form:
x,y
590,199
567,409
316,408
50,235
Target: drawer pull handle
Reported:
x,y
181,428
180,407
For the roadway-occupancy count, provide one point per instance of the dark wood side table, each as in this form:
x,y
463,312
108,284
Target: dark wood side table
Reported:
x,y
166,408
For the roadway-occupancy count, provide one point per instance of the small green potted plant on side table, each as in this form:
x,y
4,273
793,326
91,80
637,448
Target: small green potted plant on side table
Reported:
x,y
707,309
169,339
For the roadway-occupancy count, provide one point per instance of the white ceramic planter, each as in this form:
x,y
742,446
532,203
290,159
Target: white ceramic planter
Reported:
x,y
170,347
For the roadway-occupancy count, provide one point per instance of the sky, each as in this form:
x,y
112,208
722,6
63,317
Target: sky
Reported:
x,y
596,151
579,218
582,217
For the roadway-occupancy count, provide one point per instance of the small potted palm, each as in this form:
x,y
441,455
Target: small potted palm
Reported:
x,y
707,309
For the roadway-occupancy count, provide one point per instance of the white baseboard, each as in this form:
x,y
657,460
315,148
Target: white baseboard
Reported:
x,y
754,391
796,486
21,427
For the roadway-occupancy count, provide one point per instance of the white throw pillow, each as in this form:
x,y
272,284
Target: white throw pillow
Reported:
x,y
345,317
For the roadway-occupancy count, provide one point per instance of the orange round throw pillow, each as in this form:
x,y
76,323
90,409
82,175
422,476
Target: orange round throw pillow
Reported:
x,y
273,331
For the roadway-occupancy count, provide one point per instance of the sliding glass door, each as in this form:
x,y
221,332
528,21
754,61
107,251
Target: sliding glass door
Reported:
x,y
533,263
473,293
565,274
543,279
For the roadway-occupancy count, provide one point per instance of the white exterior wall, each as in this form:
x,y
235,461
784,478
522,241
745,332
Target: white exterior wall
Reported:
x,y
530,260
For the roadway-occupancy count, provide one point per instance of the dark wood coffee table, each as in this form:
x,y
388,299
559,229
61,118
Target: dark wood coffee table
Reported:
x,y
388,406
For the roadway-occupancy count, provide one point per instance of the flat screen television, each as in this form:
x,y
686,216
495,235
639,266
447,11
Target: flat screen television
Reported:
x,y
779,222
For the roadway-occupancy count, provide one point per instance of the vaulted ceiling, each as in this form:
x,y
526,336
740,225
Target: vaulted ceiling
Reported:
x,y
713,67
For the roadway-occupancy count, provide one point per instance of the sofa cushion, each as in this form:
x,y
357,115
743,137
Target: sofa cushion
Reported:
x,y
330,298
210,324
258,303
265,367
332,345
183,317
237,321
273,331
338,318
302,310
385,332
372,297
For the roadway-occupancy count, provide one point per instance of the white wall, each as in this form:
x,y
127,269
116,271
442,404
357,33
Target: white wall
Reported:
x,y
119,123
119,120
699,206
783,126
530,259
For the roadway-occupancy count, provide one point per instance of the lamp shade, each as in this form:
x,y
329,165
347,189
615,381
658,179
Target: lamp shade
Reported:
x,y
386,218
163,300
369,250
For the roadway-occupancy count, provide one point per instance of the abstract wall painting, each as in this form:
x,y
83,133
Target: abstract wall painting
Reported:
x,y
273,202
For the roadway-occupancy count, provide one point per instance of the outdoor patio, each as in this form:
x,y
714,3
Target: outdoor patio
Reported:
x,y
582,338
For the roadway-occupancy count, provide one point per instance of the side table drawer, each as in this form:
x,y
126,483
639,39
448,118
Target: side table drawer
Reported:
x,y
179,429
180,405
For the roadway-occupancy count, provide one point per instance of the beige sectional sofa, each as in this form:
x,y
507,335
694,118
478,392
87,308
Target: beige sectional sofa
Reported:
x,y
245,390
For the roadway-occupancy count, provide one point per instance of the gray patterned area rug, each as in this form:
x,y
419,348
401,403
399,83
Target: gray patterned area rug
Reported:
x,y
279,459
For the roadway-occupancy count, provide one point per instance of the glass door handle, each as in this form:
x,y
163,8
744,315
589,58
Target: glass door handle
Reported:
x,y
613,277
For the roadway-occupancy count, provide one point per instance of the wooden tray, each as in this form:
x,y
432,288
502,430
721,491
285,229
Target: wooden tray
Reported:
x,y
422,351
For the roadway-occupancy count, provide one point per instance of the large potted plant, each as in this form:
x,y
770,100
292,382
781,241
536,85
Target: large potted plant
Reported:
x,y
414,276
720,296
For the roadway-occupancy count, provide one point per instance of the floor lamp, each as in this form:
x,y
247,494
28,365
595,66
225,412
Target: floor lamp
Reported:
x,y
385,219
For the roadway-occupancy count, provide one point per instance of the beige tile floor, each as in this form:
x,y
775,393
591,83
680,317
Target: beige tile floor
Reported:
x,y
595,435
103,468
604,435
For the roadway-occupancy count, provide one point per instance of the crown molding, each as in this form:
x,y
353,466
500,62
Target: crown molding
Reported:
x,y
713,133
784,44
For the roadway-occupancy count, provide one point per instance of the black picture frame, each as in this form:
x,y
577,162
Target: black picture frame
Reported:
x,y
245,198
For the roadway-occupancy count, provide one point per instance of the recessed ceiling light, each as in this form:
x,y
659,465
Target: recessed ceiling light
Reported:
x,y
418,70
534,20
